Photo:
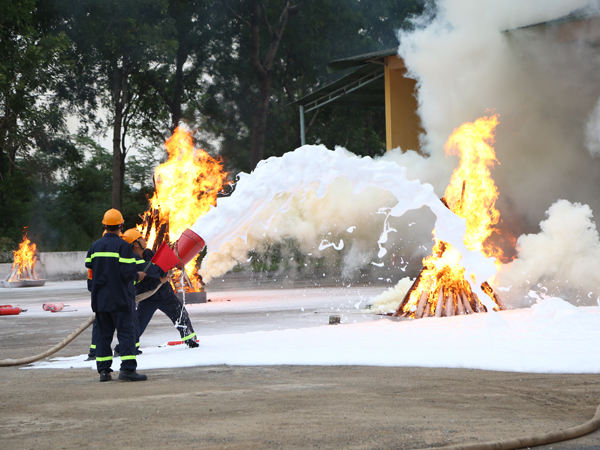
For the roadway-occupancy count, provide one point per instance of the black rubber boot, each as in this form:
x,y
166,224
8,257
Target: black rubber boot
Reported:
x,y
191,343
131,375
105,375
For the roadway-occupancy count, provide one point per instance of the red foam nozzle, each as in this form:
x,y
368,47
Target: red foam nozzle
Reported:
x,y
188,246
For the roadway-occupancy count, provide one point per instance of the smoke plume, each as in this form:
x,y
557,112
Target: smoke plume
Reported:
x,y
471,57
561,260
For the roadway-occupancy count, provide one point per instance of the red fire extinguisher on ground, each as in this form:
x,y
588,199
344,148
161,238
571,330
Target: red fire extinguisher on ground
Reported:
x,y
9,310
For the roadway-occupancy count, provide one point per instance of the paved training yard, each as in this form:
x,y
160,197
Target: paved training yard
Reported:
x,y
249,407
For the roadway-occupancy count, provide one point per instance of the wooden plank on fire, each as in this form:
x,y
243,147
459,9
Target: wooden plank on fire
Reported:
x,y
421,305
466,304
160,236
440,303
399,310
480,306
449,309
459,304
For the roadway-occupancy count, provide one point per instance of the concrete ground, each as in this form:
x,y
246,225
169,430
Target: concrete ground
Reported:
x,y
248,407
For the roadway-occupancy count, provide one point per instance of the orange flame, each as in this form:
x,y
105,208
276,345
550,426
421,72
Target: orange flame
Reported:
x,y
186,186
24,259
472,192
471,195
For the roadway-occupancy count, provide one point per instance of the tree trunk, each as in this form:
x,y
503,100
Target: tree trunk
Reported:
x,y
262,69
117,188
182,56
259,127
120,98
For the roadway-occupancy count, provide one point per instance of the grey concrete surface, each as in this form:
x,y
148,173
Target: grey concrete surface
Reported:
x,y
249,407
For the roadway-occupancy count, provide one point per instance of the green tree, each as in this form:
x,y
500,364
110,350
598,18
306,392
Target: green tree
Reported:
x,y
257,19
30,68
174,67
110,41
322,31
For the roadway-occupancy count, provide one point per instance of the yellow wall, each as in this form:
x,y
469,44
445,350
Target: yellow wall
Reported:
x,y
402,123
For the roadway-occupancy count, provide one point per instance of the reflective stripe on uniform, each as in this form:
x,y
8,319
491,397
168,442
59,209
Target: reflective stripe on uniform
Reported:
x,y
127,260
189,336
104,358
137,344
111,255
93,346
104,254
125,358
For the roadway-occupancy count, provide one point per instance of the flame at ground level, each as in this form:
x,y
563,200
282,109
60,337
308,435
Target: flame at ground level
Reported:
x,y
24,260
441,288
186,186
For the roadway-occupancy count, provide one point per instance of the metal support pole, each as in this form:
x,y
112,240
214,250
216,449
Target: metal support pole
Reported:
x,y
302,136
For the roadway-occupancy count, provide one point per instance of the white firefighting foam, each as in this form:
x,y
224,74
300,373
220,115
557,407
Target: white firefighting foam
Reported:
x,y
271,186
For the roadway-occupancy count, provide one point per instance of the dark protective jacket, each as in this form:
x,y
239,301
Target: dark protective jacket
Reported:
x,y
114,268
153,273
152,280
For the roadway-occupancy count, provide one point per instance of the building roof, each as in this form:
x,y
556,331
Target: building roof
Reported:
x,y
359,60
574,16
363,87
366,86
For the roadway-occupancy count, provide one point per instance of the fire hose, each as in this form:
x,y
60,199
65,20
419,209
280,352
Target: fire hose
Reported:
x,y
529,441
189,245
539,439
66,341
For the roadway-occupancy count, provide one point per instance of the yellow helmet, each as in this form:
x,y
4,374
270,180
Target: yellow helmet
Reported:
x,y
112,217
131,235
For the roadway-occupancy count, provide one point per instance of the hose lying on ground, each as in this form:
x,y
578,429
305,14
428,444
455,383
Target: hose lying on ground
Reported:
x,y
531,441
66,341
51,351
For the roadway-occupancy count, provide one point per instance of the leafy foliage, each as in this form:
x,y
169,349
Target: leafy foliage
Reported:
x,y
137,68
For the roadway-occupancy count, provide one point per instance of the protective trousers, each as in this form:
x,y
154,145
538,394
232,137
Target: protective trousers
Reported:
x,y
107,323
174,310
92,353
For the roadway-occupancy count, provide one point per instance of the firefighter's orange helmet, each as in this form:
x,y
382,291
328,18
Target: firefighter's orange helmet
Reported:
x,y
131,235
112,217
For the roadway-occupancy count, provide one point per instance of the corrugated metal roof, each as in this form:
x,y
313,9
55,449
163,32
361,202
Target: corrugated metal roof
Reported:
x,y
359,60
363,87
575,15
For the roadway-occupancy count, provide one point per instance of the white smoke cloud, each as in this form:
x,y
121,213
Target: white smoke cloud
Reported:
x,y
545,89
562,260
592,131
543,86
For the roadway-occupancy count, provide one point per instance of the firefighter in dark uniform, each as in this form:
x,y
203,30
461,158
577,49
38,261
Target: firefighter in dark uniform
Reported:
x,y
92,353
163,299
114,269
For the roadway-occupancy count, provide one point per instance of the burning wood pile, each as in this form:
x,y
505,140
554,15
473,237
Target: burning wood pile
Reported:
x,y
186,186
22,273
442,289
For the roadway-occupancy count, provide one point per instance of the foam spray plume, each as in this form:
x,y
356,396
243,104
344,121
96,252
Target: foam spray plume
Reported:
x,y
315,167
537,64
